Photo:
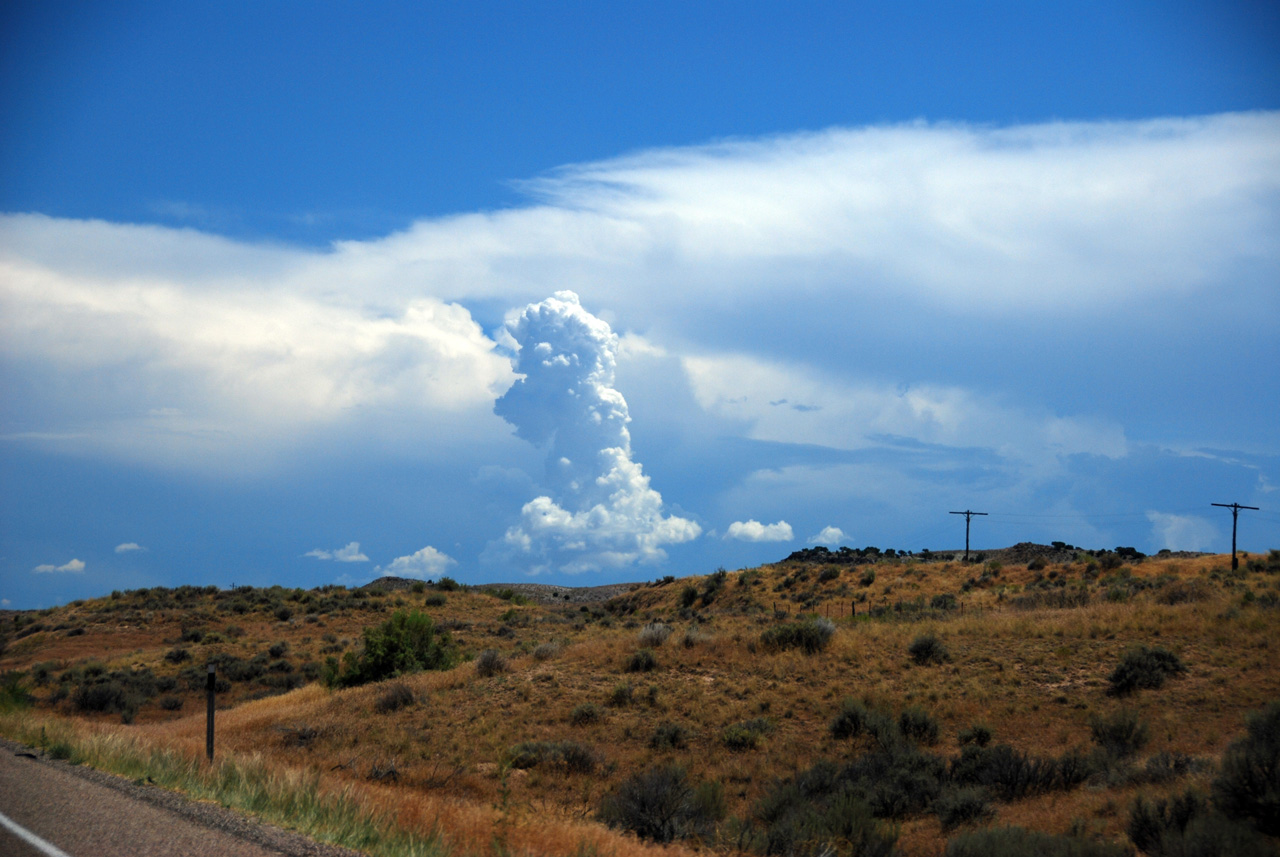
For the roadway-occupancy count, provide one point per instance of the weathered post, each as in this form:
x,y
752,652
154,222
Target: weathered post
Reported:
x,y
208,734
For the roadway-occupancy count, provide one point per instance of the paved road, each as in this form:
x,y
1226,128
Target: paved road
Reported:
x,y
89,814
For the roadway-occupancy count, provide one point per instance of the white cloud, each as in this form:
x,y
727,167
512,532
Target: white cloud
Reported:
x,y
198,351
75,566
231,362
1182,532
424,564
190,351
754,531
129,547
350,553
828,536
602,512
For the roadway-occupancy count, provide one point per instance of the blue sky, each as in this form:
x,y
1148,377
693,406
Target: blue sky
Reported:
x,y
303,292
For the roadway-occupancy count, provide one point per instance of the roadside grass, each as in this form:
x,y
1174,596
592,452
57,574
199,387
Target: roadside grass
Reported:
x,y
1035,674
286,797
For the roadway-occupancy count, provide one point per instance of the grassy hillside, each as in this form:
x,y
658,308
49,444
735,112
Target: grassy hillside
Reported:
x,y
557,703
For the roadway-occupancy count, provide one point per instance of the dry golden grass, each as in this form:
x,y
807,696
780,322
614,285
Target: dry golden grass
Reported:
x,y
1035,676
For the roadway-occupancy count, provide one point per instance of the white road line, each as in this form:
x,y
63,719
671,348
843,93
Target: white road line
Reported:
x,y
30,838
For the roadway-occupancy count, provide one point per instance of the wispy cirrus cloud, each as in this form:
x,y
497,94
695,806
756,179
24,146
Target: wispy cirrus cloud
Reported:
x,y
844,415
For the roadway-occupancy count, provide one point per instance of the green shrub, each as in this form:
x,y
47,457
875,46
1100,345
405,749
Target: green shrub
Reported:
x,y
669,736
13,690
1121,734
278,650
654,635
1017,842
1008,773
62,750
663,805
587,712
688,595
962,806
622,695
850,721
408,642
916,723
810,816
945,601
1248,786
896,779
642,661
812,635
490,663
747,734
170,703
979,734
928,649
1053,598
177,655
448,584
42,672
692,638
1186,826
1150,824
1164,767
1143,668
856,719
712,585
395,696
434,599
118,692
569,756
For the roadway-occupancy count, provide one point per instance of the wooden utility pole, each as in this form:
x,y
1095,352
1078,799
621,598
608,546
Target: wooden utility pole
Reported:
x,y
967,515
1235,514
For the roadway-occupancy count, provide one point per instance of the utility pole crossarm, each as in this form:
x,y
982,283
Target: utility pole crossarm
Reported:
x,y
1235,515
967,516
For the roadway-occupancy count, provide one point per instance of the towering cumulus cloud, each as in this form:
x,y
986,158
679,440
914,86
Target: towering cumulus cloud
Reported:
x,y
601,512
